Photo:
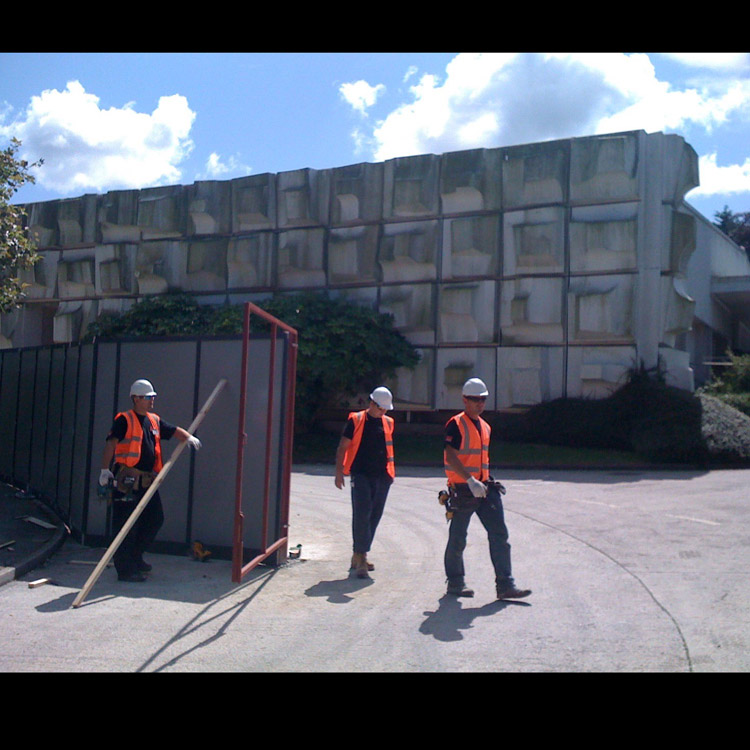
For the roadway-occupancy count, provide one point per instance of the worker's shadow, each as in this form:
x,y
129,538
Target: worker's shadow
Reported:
x,y
450,618
338,591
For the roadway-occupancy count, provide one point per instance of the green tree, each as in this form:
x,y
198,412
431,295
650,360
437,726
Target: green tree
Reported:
x,y
17,250
736,226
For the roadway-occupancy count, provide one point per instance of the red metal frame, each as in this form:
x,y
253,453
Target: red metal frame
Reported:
x,y
239,568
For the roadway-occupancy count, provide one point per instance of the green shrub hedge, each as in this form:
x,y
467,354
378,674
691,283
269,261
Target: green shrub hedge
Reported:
x,y
659,423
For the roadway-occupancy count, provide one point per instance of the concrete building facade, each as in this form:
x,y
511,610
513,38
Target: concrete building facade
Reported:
x,y
548,269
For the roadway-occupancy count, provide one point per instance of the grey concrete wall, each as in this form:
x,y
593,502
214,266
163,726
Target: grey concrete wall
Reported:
x,y
547,269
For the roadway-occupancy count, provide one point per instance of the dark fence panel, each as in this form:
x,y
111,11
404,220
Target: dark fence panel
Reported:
x,y
57,405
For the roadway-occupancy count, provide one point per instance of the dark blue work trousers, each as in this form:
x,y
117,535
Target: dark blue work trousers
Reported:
x,y
492,516
368,503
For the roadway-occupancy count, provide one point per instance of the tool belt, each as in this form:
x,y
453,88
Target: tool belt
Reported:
x,y
460,498
129,479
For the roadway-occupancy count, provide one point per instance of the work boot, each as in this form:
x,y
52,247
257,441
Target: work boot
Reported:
x,y
359,563
509,591
370,566
134,577
460,589
143,566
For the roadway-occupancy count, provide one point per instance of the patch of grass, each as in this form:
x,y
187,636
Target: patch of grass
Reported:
x,y
427,450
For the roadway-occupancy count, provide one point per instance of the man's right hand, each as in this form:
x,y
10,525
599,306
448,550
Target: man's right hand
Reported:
x,y
105,476
477,488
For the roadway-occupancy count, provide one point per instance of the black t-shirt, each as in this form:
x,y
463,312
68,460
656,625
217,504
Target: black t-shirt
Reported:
x,y
148,446
371,458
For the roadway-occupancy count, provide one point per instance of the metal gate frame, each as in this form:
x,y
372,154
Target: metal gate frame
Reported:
x,y
280,545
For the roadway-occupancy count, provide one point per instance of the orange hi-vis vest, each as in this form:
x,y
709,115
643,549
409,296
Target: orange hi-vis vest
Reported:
x,y
128,450
475,450
360,417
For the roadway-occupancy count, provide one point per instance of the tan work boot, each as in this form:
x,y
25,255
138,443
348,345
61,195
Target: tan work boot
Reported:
x,y
359,563
370,566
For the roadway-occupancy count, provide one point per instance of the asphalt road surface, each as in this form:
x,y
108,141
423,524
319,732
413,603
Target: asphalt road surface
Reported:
x,y
630,571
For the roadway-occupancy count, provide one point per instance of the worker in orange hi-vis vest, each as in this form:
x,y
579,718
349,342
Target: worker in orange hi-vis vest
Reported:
x,y
132,458
471,490
365,453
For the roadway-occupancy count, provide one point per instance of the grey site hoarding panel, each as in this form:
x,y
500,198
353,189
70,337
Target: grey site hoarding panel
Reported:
x,y
214,488
39,416
22,453
56,400
67,428
99,402
170,367
9,378
69,395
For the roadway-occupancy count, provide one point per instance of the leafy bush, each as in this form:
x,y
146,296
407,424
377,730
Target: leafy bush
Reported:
x,y
660,423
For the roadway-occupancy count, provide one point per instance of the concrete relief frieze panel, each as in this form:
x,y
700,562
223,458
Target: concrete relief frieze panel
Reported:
x,y
466,312
534,242
531,311
470,181
41,278
605,168
162,213
678,308
209,208
249,261
601,308
206,266
302,198
411,187
352,255
356,194
413,309
679,166
117,216
604,238
534,174
414,389
598,371
115,269
454,366
528,375
471,247
682,241
253,203
409,252
160,266
300,259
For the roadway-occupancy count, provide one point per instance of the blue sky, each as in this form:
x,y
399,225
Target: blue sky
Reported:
x,y
107,121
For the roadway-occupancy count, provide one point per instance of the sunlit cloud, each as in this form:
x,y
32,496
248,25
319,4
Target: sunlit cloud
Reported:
x,y
88,148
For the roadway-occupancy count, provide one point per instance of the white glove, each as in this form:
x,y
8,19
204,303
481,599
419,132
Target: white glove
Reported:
x,y
194,443
476,487
105,475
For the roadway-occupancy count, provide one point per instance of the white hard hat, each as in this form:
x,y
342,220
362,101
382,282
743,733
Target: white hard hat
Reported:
x,y
475,387
142,388
382,397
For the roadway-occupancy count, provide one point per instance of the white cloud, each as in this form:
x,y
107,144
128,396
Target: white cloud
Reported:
x,y
721,180
85,147
217,168
500,99
360,94
719,61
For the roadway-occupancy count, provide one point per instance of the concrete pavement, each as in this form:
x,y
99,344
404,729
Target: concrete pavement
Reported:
x,y
631,571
